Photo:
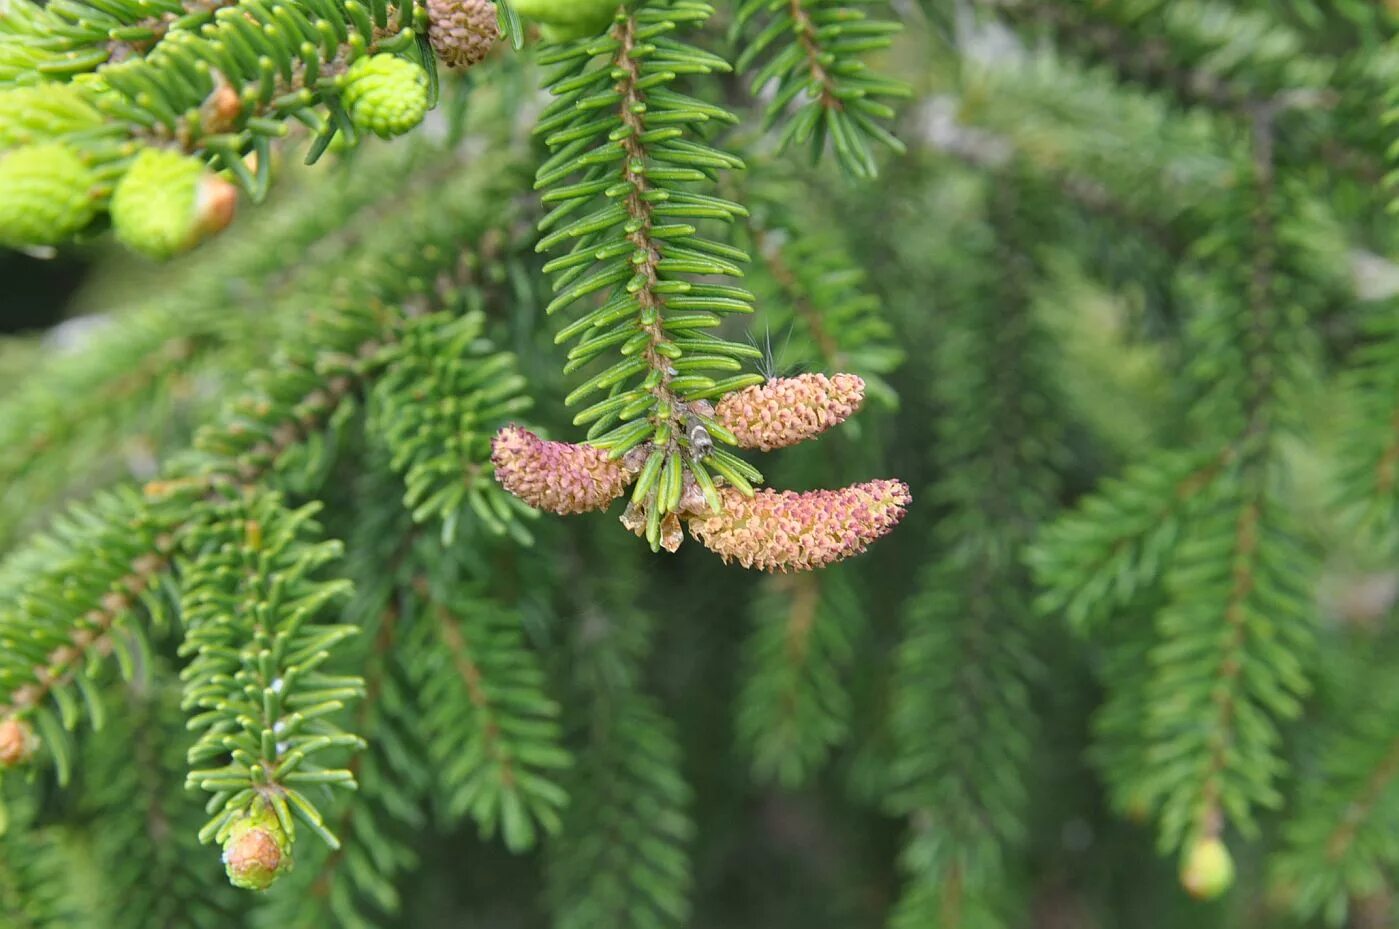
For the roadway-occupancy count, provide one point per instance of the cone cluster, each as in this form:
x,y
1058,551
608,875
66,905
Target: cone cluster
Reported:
x,y
768,530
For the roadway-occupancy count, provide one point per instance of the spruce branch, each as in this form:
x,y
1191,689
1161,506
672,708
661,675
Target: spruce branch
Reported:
x,y
121,544
813,47
818,310
1339,848
445,393
57,41
81,588
143,823
359,882
795,708
250,605
493,731
34,871
623,857
1117,541
962,711
623,131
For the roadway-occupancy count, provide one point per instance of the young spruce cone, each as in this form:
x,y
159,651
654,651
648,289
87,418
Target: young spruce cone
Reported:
x,y
462,32
790,531
256,851
47,194
788,410
168,202
559,477
385,95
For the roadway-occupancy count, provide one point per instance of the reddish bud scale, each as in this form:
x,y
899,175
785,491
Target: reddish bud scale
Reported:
x,y
559,477
790,531
788,410
17,743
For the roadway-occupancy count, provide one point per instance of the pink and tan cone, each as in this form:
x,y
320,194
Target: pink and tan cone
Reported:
x,y
559,477
788,410
462,32
791,531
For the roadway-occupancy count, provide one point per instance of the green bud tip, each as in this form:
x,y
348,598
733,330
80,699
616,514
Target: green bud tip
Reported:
x,y
569,18
167,203
29,115
47,193
1208,869
18,743
385,95
256,851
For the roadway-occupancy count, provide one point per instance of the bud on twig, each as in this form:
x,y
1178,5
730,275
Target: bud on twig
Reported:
x,y
18,743
1208,869
168,202
256,851
48,194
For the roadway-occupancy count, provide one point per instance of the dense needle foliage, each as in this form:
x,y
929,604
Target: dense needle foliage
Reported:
x,y
298,628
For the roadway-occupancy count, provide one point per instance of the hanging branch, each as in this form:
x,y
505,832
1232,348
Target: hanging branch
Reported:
x,y
814,47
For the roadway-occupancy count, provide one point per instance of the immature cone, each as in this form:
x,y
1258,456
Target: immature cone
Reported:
x,y
256,851
559,477
167,203
385,95
788,410
46,194
790,531
17,743
1208,869
462,31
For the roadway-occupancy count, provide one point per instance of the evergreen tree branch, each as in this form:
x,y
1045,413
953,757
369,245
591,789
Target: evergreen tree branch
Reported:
x,y
493,731
619,126
813,46
623,857
794,707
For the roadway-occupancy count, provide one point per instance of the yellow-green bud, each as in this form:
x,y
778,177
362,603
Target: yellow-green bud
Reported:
x,y
256,851
583,15
1207,870
46,194
18,743
385,95
40,114
168,202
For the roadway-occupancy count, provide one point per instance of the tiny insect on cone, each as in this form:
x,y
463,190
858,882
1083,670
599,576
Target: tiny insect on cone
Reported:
x,y
49,194
791,531
1208,869
167,203
788,410
559,477
462,32
256,851
385,94
18,743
